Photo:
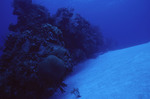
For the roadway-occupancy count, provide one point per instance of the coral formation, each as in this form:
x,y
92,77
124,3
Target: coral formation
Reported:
x,y
80,37
52,68
23,54
42,49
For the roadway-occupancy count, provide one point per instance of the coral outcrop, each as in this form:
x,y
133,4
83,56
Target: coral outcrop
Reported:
x,y
23,55
42,49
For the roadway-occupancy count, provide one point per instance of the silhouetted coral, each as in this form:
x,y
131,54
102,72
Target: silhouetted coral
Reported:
x,y
41,50
30,15
80,37
22,54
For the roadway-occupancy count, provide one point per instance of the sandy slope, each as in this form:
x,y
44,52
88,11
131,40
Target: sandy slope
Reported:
x,y
120,74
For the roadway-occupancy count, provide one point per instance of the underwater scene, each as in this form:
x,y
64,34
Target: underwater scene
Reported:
x,y
75,49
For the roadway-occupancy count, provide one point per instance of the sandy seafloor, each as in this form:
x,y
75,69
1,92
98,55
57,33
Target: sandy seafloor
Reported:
x,y
119,74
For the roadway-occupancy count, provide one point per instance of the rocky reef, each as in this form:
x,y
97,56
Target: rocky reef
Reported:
x,y
42,49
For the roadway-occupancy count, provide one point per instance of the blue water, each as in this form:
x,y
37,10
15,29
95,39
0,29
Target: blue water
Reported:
x,y
125,22
6,17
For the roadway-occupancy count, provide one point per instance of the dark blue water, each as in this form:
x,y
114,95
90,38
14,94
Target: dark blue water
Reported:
x,y
124,22
6,18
